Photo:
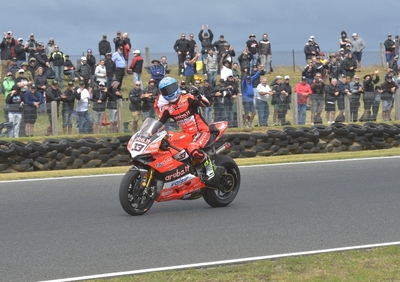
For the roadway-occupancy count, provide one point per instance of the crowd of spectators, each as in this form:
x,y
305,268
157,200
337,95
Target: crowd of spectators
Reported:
x,y
27,66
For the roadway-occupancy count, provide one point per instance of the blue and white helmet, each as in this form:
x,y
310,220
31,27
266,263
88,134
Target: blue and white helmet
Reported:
x,y
169,89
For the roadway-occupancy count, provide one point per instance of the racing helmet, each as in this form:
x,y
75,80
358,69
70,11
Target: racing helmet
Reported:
x,y
169,89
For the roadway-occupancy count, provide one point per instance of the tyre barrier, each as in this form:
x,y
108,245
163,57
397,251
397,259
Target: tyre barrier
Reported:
x,y
89,152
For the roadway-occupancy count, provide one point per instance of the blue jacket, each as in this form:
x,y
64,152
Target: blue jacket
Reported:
x,y
29,98
247,88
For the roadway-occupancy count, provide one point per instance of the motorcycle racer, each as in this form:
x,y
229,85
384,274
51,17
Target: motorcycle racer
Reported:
x,y
184,110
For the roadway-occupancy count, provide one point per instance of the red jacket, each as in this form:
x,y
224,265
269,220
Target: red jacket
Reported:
x,y
303,90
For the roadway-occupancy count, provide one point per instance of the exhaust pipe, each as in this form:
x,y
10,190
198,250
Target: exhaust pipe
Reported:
x,y
222,148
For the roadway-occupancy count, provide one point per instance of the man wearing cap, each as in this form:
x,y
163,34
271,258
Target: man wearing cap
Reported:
x,y
114,94
317,98
349,66
207,91
317,48
263,92
331,93
32,100
32,66
68,99
20,51
135,96
206,44
310,50
156,71
181,47
110,69
148,98
41,58
219,47
137,67
82,108
22,82
252,47
104,46
190,66
6,56
53,93
230,97
15,102
28,74
31,45
57,59
393,65
120,64
83,72
8,84
118,41
99,98
248,97
309,72
13,67
389,48
219,100
49,48
389,88
370,97
69,68
91,61
244,61
265,53
303,91
358,45
356,89
211,63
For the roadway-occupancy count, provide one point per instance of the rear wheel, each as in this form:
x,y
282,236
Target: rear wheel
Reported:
x,y
230,180
132,196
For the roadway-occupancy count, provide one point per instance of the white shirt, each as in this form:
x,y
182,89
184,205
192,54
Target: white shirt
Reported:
x,y
83,104
262,88
225,72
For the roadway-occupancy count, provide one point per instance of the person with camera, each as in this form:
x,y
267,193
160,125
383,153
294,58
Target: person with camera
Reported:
x,y
190,66
331,93
206,44
41,58
30,46
219,101
369,97
309,72
15,104
148,98
232,91
68,99
6,51
207,91
389,88
53,93
99,98
334,70
82,108
248,97
349,66
344,90
114,94
317,98
279,95
356,89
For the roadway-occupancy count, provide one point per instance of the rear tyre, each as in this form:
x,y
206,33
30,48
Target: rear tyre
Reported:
x,y
230,179
131,194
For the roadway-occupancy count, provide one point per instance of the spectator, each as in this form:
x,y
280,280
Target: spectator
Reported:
x,y
358,45
183,87
252,47
104,47
118,41
393,65
265,53
356,89
68,99
317,98
207,91
91,61
13,68
69,68
31,46
136,105
219,47
32,100
390,47
32,66
156,71
193,49
211,65
397,45
230,97
114,94
320,67
57,59
317,48
229,53
82,108
343,40
331,93
41,58
349,66
22,82
344,90
110,69
389,88
148,98
206,44
50,47
244,61
8,83
348,49
369,96
28,74
41,86
99,98
279,95
263,92
101,72
119,60
164,65
310,50
235,72
286,101
137,67
334,68
181,47
190,65
309,72
303,90
127,49
219,100
248,97
84,73
53,93
20,51
15,101
6,46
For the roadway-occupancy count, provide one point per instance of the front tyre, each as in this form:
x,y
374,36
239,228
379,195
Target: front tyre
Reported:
x,y
230,179
133,197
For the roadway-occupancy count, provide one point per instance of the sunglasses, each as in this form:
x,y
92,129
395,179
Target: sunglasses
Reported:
x,y
137,84
9,74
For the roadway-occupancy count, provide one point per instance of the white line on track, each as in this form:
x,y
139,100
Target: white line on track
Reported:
x,y
244,166
222,262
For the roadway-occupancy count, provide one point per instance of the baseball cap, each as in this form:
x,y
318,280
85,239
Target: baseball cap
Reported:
x,y
136,51
21,70
205,33
303,78
40,44
20,39
84,59
309,39
354,34
152,80
33,85
389,35
81,82
341,49
348,44
221,79
66,55
318,57
287,77
396,57
278,77
101,83
54,82
312,37
31,34
104,35
187,56
183,82
70,83
89,50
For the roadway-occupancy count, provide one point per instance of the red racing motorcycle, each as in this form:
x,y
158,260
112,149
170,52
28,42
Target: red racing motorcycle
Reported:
x,y
162,170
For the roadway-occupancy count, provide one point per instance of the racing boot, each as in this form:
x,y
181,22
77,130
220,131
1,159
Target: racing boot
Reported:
x,y
208,165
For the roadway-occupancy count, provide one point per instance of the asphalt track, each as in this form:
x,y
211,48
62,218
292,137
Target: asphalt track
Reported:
x,y
59,228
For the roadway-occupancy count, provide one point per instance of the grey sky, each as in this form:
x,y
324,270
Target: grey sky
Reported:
x,y
78,25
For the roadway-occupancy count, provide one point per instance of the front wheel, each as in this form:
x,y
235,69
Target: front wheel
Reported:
x,y
133,197
230,180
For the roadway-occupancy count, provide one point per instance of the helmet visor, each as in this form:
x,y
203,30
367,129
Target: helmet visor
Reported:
x,y
169,90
